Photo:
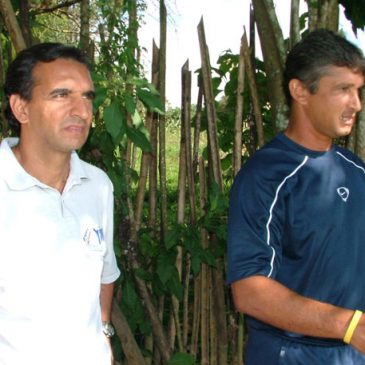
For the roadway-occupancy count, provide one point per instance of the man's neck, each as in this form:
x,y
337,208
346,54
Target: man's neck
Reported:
x,y
306,139
50,170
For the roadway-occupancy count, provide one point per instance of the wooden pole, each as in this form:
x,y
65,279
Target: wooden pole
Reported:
x,y
237,145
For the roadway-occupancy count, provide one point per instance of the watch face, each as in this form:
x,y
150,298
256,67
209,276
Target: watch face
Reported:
x,y
108,329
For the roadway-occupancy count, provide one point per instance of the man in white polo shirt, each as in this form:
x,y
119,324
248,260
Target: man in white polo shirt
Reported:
x,y
57,264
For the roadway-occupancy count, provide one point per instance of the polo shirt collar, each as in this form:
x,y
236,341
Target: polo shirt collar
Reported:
x,y
18,179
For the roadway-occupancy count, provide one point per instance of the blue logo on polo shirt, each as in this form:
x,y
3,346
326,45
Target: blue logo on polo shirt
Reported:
x,y
93,237
99,232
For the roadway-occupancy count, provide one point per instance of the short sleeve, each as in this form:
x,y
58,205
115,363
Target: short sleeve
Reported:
x,y
110,269
255,222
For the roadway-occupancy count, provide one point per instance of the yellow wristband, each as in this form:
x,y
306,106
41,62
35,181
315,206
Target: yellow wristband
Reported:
x,y
352,326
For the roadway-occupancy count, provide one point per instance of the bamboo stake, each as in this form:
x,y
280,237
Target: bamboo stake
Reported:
x,y
196,316
185,121
186,80
186,301
198,117
209,104
215,165
180,220
237,146
153,139
152,214
213,325
205,290
162,134
162,126
146,156
253,89
238,157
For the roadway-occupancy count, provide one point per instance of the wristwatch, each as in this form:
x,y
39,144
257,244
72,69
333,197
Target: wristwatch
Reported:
x,y
108,329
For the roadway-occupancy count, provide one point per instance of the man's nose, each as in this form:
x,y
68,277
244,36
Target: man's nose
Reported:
x,y
82,107
356,100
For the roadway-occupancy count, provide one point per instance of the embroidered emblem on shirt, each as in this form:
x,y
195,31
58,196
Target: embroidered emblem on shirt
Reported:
x,y
344,193
100,234
93,237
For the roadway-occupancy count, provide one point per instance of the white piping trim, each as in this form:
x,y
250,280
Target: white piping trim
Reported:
x,y
352,162
271,210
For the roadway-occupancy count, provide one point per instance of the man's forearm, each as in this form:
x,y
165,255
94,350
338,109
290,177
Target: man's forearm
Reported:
x,y
273,303
106,300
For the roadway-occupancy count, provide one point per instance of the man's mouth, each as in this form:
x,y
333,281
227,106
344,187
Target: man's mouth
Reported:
x,y
348,117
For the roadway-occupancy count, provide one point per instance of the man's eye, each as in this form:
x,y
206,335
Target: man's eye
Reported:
x,y
89,96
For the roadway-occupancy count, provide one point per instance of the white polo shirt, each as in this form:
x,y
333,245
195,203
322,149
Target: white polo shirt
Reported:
x,y
55,251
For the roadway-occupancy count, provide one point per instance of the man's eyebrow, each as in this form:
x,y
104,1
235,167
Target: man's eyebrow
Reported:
x,y
89,94
59,91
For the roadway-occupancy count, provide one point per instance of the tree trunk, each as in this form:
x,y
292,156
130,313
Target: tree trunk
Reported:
x,y
254,93
323,14
294,23
273,50
328,14
129,344
85,43
12,25
24,22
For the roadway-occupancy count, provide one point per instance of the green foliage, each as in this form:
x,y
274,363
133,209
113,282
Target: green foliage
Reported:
x,y
131,305
354,11
181,358
114,121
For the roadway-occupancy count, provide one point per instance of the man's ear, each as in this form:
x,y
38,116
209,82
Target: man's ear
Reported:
x,y
19,108
298,91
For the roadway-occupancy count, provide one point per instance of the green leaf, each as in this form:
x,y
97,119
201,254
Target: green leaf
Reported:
x,y
114,121
174,285
139,139
130,104
143,274
181,358
100,96
150,100
195,264
130,297
172,238
164,270
208,257
137,120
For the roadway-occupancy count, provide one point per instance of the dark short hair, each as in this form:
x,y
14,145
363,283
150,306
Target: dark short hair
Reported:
x,y
309,59
19,76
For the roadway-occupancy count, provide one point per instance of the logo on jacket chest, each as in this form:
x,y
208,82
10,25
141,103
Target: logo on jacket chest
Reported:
x,y
344,193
